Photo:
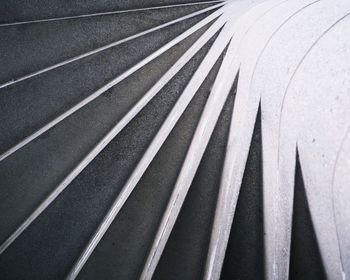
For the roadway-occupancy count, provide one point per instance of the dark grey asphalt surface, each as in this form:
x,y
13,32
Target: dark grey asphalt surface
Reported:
x,y
244,256
22,10
40,99
61,40
185,254
306,261
130,236
49,247
42,164
57,237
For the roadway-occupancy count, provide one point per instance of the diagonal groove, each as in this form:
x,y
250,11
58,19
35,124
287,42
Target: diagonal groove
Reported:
x,y
243,257
81,56
109,13
109,85
246,43
157,142
192,228
215,103
138,219
116,129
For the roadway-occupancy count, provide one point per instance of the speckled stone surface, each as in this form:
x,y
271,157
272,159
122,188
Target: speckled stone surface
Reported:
x,y
52,243
57,237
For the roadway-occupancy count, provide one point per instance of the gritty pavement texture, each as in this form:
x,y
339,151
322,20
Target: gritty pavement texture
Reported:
x,y
58,235
43,163
49,247
23,10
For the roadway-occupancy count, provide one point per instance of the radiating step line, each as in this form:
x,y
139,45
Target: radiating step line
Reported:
x,y
221,89
233,169
105,47
225,209
109,85
117,128
110,13
175,114
173,210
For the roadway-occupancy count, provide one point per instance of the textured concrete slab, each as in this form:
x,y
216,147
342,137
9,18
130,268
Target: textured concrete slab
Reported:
x,y
45,163
20,10
82,205
132,145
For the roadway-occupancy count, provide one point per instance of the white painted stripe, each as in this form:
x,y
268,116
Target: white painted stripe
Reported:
x,y
119,126
204,130
180,106
108,46
234,166
110,13
109,85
